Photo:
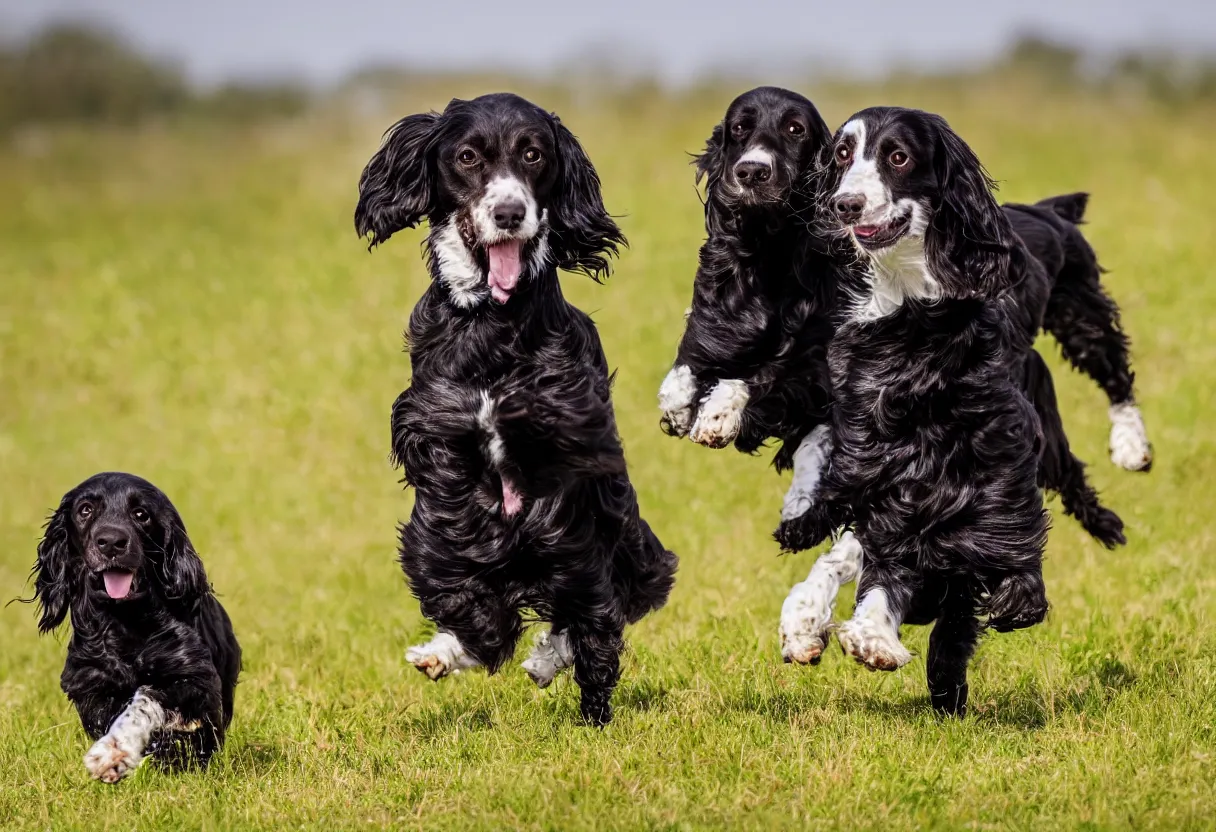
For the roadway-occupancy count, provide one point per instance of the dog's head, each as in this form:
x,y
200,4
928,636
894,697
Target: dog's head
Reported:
x,y
769,138
902,177
506,187
115,539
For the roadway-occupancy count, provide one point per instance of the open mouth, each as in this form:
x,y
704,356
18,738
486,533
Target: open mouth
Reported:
x,y
883,235
506,259
118,583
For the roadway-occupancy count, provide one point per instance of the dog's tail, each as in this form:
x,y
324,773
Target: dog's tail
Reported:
x,y
1069,207
1059,469
644,574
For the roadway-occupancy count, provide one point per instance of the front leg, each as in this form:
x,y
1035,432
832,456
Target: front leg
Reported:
x,y
806,615
122,748
551,654
871,636
441,656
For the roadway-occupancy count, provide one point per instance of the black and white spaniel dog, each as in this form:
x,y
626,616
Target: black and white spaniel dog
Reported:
x,y
752,362
507,431
1056,287
152,663
935,445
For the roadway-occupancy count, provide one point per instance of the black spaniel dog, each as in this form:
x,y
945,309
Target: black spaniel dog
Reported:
x,y
752,362
507,431
152,663
935,445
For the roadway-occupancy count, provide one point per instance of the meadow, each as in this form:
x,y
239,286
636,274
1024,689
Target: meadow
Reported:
x,y
190,303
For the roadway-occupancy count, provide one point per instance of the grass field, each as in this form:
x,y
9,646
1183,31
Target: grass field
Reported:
x,y
191,304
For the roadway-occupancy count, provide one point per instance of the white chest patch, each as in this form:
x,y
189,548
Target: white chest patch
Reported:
x,y
457,268
898,273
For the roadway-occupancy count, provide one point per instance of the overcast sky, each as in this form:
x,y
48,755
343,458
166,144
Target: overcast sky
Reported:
x,y
216,39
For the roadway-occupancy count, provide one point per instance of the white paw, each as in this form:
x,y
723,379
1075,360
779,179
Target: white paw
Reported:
x,y
721,414
806,621
110,759
676,396
551,655
873,644
440,656
1129,445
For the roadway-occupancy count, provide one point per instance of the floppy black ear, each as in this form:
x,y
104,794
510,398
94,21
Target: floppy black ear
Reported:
x,y
180,569
395,190
970,241
710,161
53,570
582,236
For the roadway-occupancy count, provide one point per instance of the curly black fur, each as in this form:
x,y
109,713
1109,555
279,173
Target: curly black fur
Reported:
x,y
168,636
512,397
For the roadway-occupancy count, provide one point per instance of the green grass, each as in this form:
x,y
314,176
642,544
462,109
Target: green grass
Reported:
x,y
192,305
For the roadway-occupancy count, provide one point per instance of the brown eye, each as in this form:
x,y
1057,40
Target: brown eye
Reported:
x,y
85,510
795,128
843,153
531,155
899,158
467,157
140,516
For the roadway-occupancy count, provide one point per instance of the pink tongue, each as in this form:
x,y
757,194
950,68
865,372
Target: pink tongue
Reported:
x,y
118,584
504,269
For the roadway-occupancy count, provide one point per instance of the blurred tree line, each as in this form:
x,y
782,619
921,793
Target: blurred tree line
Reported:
x,y
80,72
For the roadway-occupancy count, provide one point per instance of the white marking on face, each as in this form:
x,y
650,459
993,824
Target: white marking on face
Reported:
x,y
721,414
458,269
806,615
499,191
759,154
1129,445
551,654
676,396
441,656
863,176
871,636
810,460
121,750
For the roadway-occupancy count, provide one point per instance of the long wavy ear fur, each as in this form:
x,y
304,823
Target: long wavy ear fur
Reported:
x,y
53,579
180,569
395,190
583,236
970,242
711,165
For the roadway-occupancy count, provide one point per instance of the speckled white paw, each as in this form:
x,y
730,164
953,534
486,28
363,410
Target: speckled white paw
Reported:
x,y
439,657
676,396
1129,445
721,415
550,655
872,644
110,759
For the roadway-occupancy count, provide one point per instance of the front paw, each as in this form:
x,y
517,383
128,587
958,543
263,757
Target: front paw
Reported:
x,y
110,759
676,396
721,415
439,657
551,655
873,644
806,622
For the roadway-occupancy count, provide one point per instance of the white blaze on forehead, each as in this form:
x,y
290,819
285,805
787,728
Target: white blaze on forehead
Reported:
x,y
863,176
500,191
759,154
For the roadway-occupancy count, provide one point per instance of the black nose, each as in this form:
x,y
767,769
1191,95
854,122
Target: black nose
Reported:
x,y
112,542
509,215
849,207
753,173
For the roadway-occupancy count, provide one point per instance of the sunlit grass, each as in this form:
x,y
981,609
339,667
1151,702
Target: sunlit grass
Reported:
x,y
193,306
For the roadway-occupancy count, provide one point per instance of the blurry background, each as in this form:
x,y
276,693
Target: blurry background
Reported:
x,y
182,296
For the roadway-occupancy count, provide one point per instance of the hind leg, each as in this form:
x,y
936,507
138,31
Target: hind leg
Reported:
x,y
1085,320
597,642
951,645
